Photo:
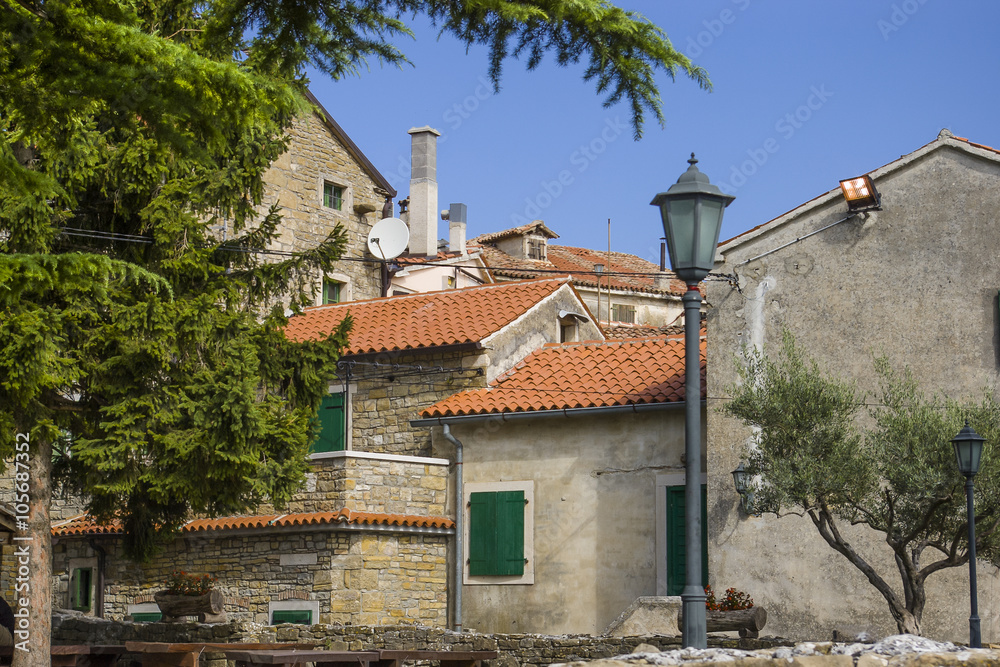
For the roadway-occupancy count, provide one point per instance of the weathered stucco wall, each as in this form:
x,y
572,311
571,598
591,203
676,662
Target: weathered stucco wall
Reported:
x,y
916,282
594,514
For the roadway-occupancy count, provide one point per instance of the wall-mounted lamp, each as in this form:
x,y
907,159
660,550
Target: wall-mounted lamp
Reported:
x,y
743,488
861,194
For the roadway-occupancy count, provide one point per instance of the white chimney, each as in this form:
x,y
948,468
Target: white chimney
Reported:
x,y
457,218
423,209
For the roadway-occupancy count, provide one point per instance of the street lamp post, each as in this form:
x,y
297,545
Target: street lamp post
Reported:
x,y
968,452
691,211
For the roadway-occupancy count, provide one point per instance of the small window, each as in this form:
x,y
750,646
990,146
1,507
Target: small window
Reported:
x,y
333,196
536,249
332,425
146,617
496,533
299,616
332,291
80,588
622,313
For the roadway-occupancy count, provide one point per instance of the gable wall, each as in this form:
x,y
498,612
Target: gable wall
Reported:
x,y
918,282
295,182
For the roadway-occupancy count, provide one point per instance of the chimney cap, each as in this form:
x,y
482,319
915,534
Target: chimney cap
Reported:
x,y
425,128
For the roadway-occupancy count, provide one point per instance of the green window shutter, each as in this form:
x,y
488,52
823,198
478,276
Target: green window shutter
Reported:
x,y
80,589
331,425
676,540
331,291
146,617
496,533
300,616
333,196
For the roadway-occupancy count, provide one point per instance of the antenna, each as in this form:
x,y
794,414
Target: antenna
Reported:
x,y
388,238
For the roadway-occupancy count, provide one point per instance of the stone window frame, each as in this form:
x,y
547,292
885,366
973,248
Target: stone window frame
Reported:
x,y
72,566
346,287
662,483
528,578
293,605
337,387
338,180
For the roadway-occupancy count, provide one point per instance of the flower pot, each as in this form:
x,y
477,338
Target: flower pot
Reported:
x,y
208,607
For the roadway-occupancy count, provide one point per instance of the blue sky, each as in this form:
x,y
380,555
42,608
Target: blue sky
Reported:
x,y
806,93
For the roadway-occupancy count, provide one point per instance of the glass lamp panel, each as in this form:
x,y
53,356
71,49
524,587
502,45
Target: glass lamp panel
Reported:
x,y
708,232
680,231
968,453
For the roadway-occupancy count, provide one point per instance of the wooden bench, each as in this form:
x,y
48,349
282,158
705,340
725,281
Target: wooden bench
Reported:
x,y
321,658
378,658
389,658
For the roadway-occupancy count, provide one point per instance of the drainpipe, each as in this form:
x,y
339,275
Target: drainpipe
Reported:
x,y
459,512
99,584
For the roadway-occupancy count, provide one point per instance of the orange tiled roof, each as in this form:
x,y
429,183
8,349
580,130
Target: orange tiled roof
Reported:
x,y
625,271
85,525
582,375
537,226
427,319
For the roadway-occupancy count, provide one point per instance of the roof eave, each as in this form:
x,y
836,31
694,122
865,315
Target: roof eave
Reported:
x,y
564,412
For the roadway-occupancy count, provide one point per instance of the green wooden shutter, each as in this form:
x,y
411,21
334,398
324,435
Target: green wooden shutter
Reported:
x,y
331,424
80,589
676,539
496,533
146,616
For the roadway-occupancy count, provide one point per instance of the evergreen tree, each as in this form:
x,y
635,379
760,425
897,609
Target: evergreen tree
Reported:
x,y
893,469
141,353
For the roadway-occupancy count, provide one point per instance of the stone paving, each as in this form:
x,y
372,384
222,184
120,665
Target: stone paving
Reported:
x,y
894,651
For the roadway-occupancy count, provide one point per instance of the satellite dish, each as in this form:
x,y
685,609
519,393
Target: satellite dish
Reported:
x,y
388,238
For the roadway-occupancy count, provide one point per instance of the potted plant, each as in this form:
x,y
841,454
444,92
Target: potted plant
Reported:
x,y
190,595
735,611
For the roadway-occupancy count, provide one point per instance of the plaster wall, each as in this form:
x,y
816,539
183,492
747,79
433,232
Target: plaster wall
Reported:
x,y
916,282
435,278
651,310
594,537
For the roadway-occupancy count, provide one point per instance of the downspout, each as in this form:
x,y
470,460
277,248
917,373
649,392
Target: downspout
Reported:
x,y
459,512
99,584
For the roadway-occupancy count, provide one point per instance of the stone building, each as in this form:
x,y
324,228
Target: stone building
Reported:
x,y
849,287
366,541
630,296
572,480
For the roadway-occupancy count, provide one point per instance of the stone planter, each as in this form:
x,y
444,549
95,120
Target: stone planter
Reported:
x,y
208,607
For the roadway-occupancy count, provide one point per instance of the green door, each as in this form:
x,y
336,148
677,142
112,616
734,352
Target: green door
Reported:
x,y
676,559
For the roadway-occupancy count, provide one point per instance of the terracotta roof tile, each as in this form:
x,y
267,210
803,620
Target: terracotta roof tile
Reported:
x,y
85,525
625,271
534,226
582,375
428,319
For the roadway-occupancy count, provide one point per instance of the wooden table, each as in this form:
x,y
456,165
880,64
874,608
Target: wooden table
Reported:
x,y
321,658
168,654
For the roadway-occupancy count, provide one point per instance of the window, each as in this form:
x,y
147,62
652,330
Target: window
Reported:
x,y
676,559
332,291
144,612
499,544
332,425
536,249
300,616
305,612
80,588
333,196
622,313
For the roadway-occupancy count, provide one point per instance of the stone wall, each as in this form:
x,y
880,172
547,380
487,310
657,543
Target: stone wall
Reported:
x,y
390,485
517,649
384,401
356,576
